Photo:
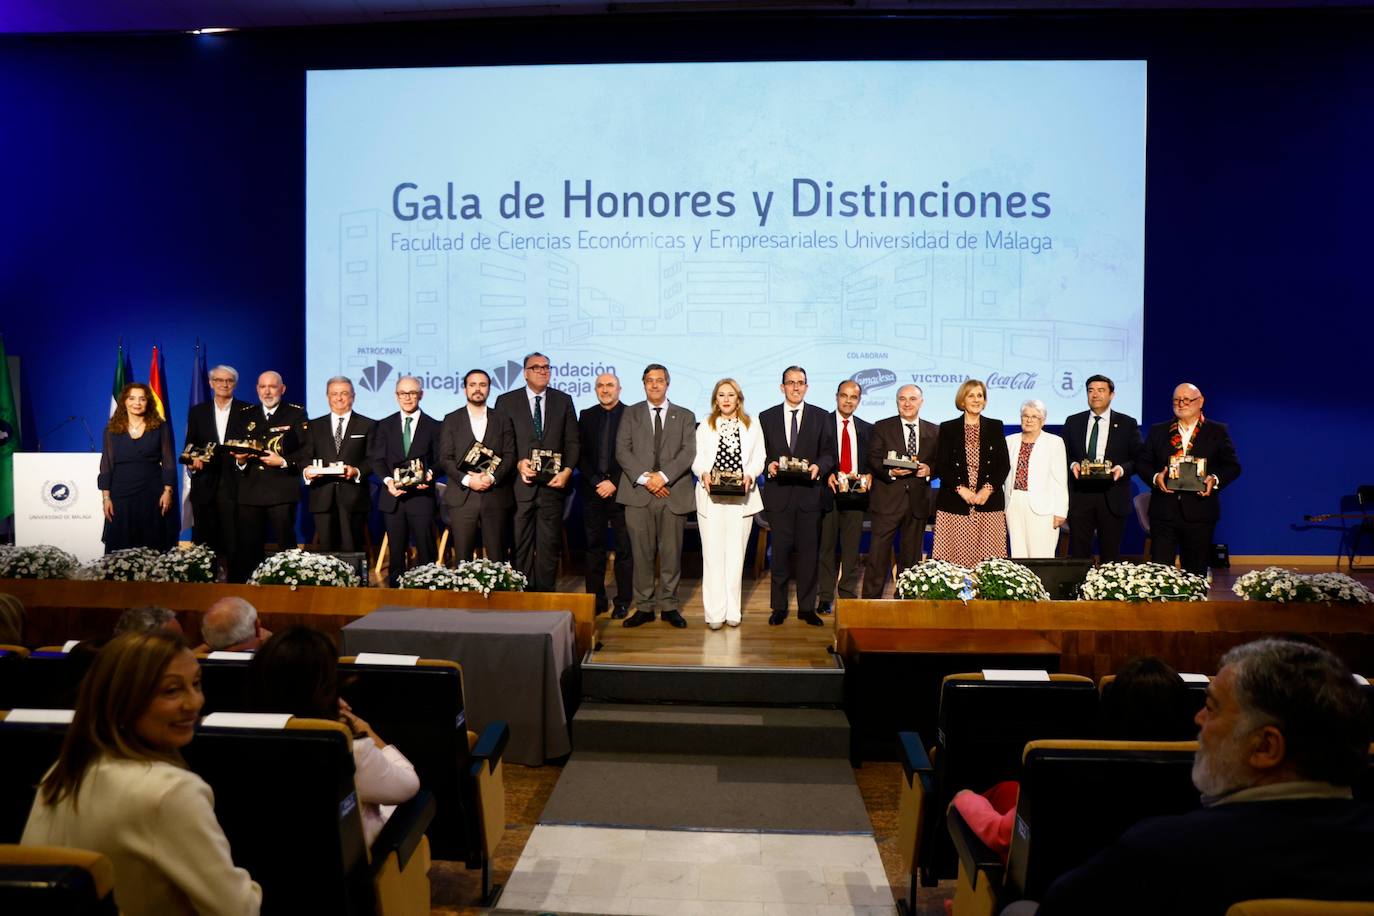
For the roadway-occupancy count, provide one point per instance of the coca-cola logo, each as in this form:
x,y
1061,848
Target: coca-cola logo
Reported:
x,y
874,379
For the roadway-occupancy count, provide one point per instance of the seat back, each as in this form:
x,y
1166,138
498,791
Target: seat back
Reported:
x,y
27,750
55,881
1290,907
224,682
1183,728
984,727
1077,797
287,803
420,710
46,679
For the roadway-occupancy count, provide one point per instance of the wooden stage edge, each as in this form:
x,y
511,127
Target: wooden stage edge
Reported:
x,y
62,609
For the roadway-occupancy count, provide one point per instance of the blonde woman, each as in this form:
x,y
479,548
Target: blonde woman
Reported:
x,y
727,440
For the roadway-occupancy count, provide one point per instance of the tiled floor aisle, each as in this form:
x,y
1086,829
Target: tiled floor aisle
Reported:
x,y
682,873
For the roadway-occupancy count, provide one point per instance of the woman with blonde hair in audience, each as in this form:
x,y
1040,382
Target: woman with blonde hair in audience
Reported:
x,y
727,441
972,464
297,672
121,788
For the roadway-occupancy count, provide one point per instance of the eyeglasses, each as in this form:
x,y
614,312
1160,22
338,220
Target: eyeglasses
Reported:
x,y
796,384
1184,402
221,381
538,367
407,394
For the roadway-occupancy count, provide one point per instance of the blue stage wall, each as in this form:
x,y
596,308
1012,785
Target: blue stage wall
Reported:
x,y
155,192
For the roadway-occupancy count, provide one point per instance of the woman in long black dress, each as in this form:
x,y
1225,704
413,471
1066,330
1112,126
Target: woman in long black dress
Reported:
x,y
137,473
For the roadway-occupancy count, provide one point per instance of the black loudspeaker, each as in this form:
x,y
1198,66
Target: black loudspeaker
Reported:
x,y
1221,557
1061,576
356,560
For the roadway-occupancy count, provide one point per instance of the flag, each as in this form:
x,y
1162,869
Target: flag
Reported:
x,y
200,393
9,435
155,385
124,374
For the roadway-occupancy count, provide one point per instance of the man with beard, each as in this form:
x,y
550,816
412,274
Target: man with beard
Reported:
x,y
478,499
1284,736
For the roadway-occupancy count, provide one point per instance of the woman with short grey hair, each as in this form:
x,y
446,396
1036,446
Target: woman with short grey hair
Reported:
x,y
1038,487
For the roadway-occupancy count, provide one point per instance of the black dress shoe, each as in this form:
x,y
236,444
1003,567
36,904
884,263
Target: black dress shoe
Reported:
x,y
620,613
639,618
776,618
600,609
825,608
675,619
811,618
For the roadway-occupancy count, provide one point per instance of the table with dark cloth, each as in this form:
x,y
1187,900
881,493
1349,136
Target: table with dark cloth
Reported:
x,y
513,664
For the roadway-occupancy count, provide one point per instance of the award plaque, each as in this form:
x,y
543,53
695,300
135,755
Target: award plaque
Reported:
x,y
1095,470
481,460
245,447
204,452
546,464
849,488
1186,474
410,475
330,469
894,460
794,470
726,483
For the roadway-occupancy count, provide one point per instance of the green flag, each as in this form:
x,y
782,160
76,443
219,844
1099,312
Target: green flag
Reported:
x,y
9,435
123,376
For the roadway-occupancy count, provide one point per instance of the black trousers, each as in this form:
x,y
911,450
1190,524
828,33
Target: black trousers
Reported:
x,y
254,524
912,532
843,529
413,518
539,538
1089,514
794,531
1191,541
597,514
339,529
214,522
493,522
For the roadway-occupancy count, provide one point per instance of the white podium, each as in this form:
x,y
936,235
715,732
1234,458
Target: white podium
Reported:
x,y
57,502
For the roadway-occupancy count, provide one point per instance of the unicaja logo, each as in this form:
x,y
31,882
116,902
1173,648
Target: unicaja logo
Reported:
x,y
503,377
374,377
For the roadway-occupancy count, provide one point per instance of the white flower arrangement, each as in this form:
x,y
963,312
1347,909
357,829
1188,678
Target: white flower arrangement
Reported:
x,y
42,561
193,564
1338,588
298,567
999,579
1143,582
935,580
485,576
432,576
132,564
1274,583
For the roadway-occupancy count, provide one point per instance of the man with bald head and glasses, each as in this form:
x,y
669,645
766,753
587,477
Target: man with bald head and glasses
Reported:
x,y
1182,523
408,513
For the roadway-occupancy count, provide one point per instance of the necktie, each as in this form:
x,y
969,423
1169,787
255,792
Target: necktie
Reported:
x,y
338,437
405,436
912,446
846,460
792,439
538,417
658,438
1092,440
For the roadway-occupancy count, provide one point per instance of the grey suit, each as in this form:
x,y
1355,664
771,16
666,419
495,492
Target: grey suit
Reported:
x,y
656,524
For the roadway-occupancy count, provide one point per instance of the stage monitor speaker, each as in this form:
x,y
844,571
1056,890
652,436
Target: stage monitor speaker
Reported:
x,y
1221,557
1062,576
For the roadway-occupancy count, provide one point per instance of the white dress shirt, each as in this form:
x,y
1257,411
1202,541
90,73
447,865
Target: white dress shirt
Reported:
x,y
477,418
663,414
222,420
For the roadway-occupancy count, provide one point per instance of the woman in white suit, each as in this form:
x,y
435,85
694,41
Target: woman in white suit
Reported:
x,y
727,440
1037,489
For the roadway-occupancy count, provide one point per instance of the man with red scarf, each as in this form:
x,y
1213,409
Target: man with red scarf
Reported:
x,y
1182,523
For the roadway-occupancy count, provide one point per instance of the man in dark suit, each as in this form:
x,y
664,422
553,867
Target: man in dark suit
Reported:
x,y
543,418
339,439
654,447
599,474
796,429
402,437
1183,523
477,498
213,482
269,486
842,525
1102,506
901,502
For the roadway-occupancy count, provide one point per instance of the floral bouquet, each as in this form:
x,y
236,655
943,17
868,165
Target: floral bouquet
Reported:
x,y
1338,588
298,567
39,562
432,576
487,576
194,564
1275,583
1143,582
935,580
132,564
1002,580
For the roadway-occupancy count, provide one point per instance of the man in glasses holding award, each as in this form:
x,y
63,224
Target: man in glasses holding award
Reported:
x,y
1186,462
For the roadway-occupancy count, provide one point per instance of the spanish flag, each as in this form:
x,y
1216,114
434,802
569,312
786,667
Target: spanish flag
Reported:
x,y
157,386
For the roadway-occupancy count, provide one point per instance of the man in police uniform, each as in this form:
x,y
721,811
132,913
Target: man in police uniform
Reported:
x,y
270,484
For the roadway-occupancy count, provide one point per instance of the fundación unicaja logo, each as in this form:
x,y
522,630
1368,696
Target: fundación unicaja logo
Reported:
x,y
374,377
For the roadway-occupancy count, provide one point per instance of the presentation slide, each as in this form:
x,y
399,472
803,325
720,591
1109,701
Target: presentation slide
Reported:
x,y
889,222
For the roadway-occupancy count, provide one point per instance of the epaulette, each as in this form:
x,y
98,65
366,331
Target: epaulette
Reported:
x,y
289,404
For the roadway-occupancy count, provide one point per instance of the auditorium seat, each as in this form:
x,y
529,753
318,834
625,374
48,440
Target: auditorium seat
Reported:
x,y
1196,698
918,782
1077,797
224,682
46,678
983,727
1291,907
27,750
55,881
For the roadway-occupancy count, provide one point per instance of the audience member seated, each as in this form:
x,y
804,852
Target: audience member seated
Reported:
x,y
1142,705
231,625
297,672
1284,736
11,620
148,619
121,788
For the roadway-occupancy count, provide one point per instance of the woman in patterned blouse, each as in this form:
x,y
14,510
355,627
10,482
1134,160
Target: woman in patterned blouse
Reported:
x,y
727,441
1037,490
972,464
